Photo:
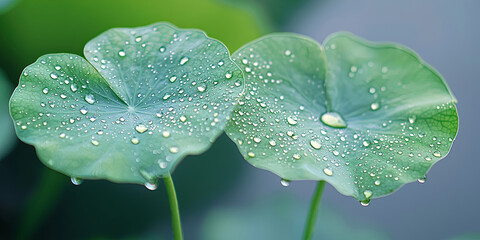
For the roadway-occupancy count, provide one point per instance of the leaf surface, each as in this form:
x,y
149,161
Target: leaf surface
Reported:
x,y
142,100
365,117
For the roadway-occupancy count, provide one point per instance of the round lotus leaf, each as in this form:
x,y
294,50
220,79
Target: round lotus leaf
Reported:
x,y
365,117
142,100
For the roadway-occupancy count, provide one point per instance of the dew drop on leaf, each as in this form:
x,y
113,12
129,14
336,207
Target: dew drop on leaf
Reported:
x,y
183,60
76,181
150,186
315,144
90,99
333,119
328,171
141,128
285,182
374,106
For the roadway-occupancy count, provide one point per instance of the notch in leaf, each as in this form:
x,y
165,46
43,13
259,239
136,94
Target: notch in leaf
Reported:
x,y
142,100
365,117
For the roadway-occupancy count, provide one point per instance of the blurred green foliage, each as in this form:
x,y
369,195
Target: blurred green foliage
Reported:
x,y
37,27
7,137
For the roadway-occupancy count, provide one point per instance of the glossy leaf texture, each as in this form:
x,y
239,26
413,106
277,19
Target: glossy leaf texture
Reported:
x,y
366,117
144,98
7,138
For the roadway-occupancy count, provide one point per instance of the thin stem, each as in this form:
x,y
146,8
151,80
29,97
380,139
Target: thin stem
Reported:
x,y
312,215
172,198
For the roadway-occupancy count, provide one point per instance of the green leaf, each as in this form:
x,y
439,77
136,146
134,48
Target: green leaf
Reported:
x,y
7,138
365,117
145,98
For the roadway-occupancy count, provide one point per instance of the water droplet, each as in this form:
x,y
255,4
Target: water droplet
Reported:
x,y
384,69
95,142
76,181
377,183
174,149
374,106
367,193
73,87
333,119
366,143
138,39
90,99
202,87
121,53
173,78
162,49
135,140
315,144
141,128
62,135
166,134
412,119
288,53
228,75
292,120
83,110
328,171
163,165
437,154
365,203
272,143
296,156
251,154
53,75
285,182
183,60
150,186
353,69
372,90
257,140
45,90
422,180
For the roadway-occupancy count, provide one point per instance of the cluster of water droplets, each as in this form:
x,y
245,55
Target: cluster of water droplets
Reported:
x,y
276,131
161,102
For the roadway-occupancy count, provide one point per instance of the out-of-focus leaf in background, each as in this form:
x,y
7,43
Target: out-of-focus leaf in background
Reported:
x,y
7,135
280,216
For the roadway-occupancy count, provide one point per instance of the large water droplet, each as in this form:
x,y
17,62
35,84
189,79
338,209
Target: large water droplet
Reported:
x,y
76,181
374,106
83,110
367,193
251,154
202,87
292,120
135,140
121,53
90,99
365,203
333,119
141,128
328,171
150,186
173,78
73,87
183,60
422,180
315,144
45,90
285,182
437,154
162,49
53,75
95,143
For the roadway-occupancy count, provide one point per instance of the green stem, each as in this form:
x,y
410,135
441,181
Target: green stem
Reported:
x,y
172,198
312,215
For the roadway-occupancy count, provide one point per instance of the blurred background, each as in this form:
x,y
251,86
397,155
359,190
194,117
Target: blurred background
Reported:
x,y
220,195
